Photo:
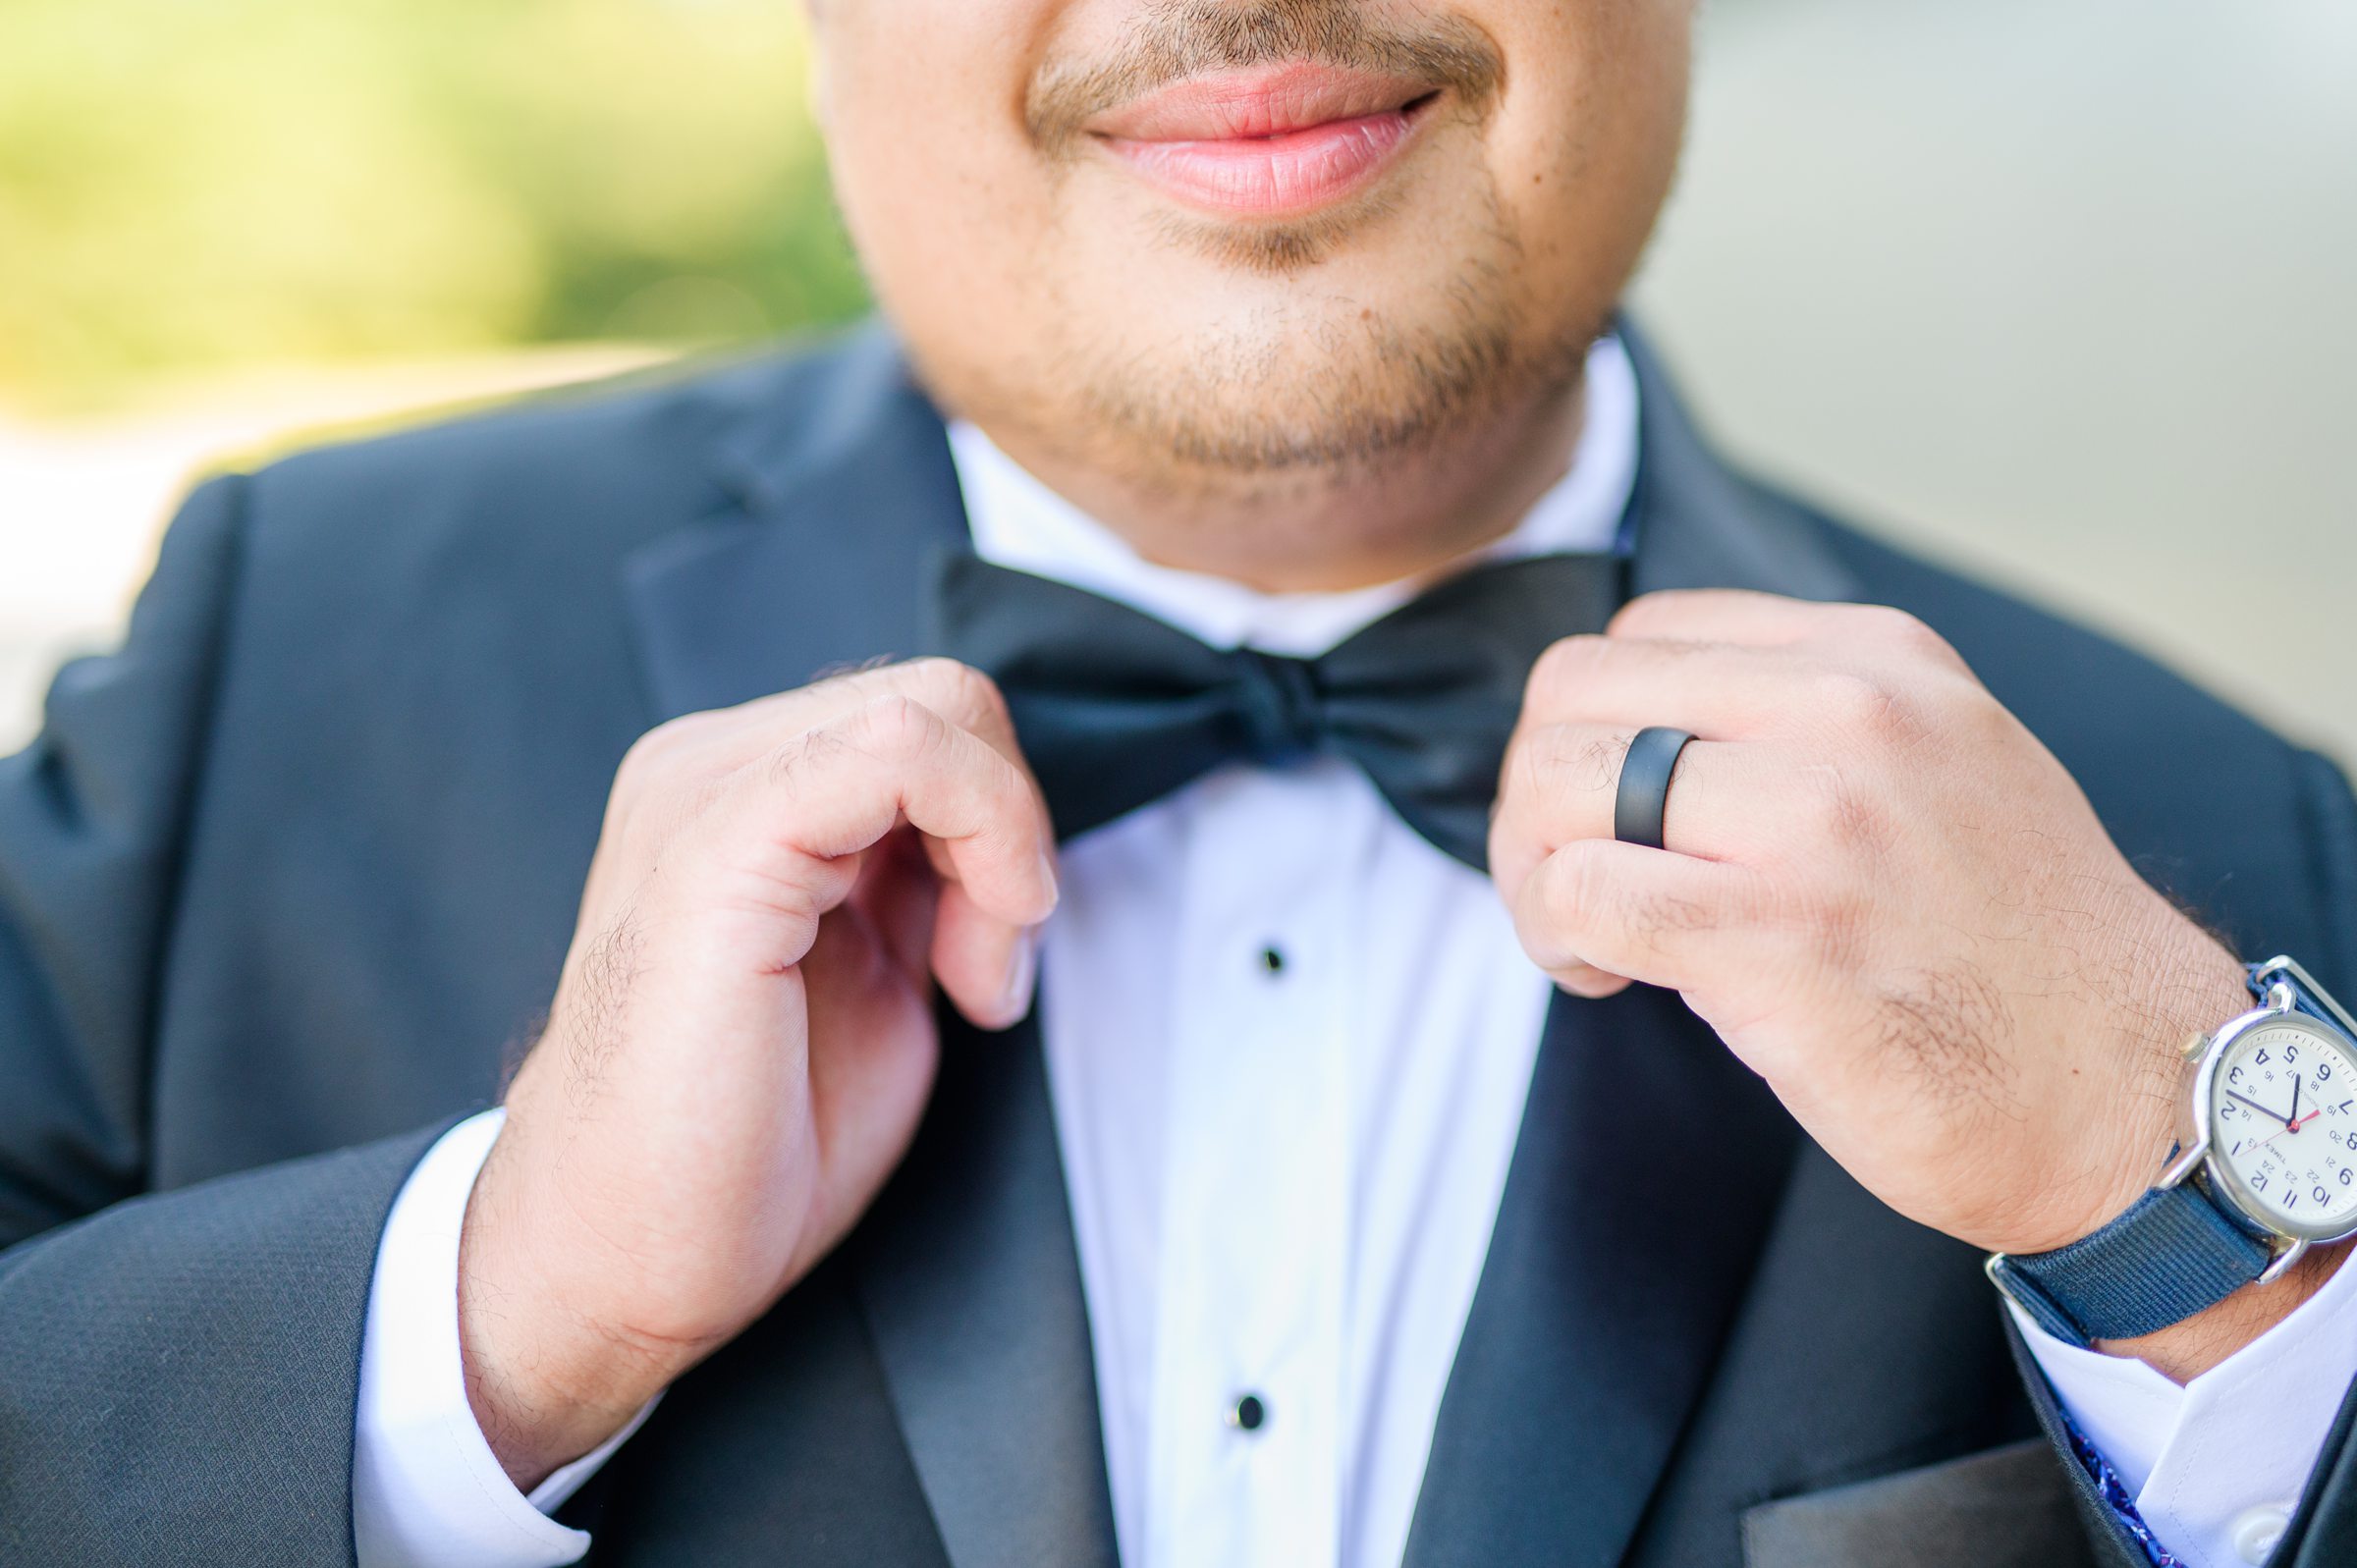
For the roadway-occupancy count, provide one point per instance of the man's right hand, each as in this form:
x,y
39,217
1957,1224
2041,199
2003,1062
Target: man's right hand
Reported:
x,y
743,1038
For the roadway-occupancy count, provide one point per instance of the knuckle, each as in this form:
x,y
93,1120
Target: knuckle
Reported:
x,y
1985,724
655,786
895,728
1564,669
953,695
933,668
1857,704
954,685
1647,610
649,757
1893,624
634,775
1575,888
974,690
1904,630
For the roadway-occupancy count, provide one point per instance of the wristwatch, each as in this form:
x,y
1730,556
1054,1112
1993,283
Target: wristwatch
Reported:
x,y
2269,1169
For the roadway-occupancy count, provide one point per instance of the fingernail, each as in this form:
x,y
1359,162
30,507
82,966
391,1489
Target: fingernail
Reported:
x,y
1023,970
1047,876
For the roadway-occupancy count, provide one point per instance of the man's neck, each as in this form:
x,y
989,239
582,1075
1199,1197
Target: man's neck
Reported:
x,y
1390,519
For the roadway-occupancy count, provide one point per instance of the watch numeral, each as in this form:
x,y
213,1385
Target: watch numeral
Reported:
x,y
2322,1072
2291,1052
2291,1200
2344,1176
2233,1075
2321,1195
2258,1184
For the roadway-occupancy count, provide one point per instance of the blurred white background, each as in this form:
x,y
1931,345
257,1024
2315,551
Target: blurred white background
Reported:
x,y
2057,289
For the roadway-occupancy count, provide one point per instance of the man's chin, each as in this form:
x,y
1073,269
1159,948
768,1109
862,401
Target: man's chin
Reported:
x,y
1336,417
1345,386
1279,248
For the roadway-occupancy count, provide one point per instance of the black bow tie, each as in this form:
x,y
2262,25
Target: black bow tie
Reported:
x,y
1116,709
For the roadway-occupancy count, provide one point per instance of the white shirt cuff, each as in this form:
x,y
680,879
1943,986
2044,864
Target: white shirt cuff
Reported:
x,y
426,1489
2216,1465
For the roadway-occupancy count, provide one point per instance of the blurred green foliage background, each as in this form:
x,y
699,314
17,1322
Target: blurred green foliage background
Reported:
x,y
194,185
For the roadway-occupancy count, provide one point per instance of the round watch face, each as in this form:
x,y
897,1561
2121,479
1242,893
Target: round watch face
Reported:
x,y
2283,1126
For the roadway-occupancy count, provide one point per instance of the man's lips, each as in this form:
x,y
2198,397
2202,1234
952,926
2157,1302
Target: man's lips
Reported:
x,y
1266,142
1234,105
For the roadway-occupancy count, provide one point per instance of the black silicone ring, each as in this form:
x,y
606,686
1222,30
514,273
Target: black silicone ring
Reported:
x,y
1644,794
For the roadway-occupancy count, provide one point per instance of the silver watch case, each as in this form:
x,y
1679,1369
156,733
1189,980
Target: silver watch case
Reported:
x,y
2196,1156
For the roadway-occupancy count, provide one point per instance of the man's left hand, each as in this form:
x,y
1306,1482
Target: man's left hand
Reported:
x,y
1880,890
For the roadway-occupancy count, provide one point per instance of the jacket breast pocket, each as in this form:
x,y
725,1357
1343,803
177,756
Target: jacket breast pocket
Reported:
x,y
2010,1507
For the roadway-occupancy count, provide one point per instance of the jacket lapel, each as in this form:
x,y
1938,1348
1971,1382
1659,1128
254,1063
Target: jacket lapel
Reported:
x,y
971,1285
1648,1168
839,491
1698,524
966,1271
1649,1164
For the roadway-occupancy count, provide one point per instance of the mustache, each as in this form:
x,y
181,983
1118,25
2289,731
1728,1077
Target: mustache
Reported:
x,y
1174,40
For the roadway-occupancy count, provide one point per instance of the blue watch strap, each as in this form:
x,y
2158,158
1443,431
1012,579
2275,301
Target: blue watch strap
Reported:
x,y
2174,1253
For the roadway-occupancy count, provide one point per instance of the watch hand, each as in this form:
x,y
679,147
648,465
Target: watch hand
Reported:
x,y
2289,1126
2256,1106
2292,1120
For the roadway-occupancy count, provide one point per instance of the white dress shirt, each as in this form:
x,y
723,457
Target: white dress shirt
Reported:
x,y
1288,1044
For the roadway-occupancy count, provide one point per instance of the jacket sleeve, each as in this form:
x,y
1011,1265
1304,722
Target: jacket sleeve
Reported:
x,y
2324,1529
91,820
177,1372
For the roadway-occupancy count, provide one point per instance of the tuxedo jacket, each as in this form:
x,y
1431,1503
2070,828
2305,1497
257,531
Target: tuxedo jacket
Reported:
x,y
287,878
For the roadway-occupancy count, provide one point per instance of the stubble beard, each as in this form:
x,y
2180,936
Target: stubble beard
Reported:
x,y
1296,399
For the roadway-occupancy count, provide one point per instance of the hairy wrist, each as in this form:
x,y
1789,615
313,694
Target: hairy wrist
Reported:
x,y
547,1383
2186,985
